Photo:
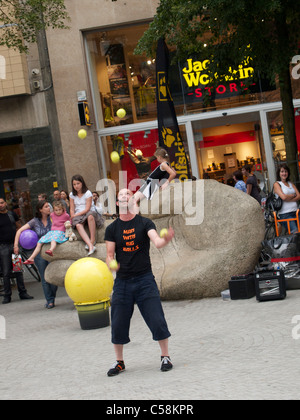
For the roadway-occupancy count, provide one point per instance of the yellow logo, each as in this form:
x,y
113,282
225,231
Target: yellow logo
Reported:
x,y
168,136
87,114
163,88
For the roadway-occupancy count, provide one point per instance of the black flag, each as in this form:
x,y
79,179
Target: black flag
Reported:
x,y
168,129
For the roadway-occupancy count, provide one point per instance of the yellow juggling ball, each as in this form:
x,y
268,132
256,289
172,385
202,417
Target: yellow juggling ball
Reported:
x,y
121,113
82,133
115,157
163,233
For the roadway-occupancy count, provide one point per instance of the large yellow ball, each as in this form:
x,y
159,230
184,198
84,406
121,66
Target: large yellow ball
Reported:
x,y
115,157
88,280
121,113
82,134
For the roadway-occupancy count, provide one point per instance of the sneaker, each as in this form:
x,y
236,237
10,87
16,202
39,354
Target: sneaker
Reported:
x,y
166,364
116,368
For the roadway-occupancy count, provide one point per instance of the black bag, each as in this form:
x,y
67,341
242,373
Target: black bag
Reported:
x,y
282,247
273,203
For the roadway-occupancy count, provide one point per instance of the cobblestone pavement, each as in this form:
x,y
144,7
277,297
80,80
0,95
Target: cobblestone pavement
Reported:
x,y
241,349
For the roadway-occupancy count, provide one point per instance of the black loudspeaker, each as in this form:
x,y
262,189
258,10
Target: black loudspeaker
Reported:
x,y
242,287
270,285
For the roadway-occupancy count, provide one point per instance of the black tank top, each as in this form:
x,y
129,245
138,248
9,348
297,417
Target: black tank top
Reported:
x,y
158,173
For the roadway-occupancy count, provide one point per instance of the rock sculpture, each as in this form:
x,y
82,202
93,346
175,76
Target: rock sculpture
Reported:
x,y
218,234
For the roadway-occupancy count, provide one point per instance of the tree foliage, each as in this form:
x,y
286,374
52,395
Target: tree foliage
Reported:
x,y
21,20
228,31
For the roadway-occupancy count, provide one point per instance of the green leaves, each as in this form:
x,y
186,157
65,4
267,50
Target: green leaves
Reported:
x,y
224,30
22,19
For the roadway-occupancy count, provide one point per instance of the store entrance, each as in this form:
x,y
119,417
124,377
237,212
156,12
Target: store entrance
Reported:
x,y
14,185
15,188
224,145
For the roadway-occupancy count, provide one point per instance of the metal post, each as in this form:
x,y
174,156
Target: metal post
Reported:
x,y
192,149
94,102
268,148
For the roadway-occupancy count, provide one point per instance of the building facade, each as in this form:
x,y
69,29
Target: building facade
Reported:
x,y
30,147
96,82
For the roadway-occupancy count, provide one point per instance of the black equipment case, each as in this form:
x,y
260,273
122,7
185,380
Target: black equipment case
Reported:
x,y
242,287
270,285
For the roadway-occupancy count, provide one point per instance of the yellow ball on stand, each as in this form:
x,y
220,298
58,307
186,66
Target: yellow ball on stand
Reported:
x,y
89,283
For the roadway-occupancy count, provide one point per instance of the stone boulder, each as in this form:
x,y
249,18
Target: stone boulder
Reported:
x,y
218,234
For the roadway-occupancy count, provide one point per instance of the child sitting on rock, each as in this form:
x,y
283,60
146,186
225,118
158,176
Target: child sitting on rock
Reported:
x,y
56,234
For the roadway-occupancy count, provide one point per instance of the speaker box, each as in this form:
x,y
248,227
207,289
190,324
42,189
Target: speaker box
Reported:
x,y
242,287
270,285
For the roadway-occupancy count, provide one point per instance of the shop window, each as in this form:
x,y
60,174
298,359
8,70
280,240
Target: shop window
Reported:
x,y
276,127
14,185
17,196
225,149
126,82
12,157
137,161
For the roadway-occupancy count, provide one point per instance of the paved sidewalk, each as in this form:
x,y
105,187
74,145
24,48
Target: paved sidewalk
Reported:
x,y
240,349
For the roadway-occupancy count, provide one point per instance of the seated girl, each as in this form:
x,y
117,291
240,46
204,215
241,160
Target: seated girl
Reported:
x,y
55,235
82,211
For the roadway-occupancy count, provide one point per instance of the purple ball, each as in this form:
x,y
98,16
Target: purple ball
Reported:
x,y
28,239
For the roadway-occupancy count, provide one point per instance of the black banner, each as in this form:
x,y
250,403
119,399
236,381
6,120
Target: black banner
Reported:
x,y
168,129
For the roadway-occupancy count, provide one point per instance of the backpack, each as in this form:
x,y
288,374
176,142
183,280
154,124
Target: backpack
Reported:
x,y
273,203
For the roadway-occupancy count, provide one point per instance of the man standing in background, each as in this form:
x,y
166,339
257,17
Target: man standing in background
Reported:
x,y
9,221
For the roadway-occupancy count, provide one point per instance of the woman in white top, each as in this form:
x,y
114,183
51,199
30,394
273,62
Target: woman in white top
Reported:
x,y
82,210
289,195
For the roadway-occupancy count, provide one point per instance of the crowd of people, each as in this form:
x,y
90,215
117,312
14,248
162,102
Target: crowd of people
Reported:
x,y
48,224
134,282
282,188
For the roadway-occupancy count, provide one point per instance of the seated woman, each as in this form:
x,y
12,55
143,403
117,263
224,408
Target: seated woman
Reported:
x,y
82,211
289,195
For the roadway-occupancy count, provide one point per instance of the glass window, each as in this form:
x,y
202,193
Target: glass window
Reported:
x,y
201,94
126,82
17,196
12,157
137,161
13,178
276,127
222,150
